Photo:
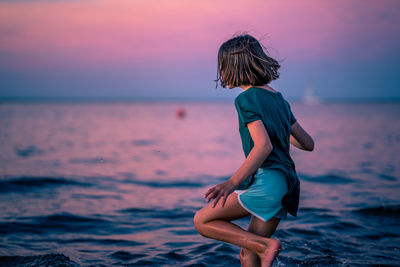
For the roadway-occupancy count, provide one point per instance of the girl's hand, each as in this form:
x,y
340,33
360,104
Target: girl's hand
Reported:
x,y
220,190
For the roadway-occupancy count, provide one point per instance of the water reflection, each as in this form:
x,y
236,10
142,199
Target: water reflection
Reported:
x,y
118,183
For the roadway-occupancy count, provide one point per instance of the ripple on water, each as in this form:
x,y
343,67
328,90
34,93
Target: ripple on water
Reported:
x,y
126,256
304,232
177,214
29,151
165,184
106,242
174,254
39,260
28,183
56,223
388,177
310,209
380,211
328,179
345,226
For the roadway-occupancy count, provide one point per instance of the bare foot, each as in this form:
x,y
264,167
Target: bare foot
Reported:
x,y
271,250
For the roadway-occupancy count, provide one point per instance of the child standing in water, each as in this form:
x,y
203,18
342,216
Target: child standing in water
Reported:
x,y
266,185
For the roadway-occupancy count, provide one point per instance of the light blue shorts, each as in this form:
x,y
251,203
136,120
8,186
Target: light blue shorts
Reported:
x,y
263,198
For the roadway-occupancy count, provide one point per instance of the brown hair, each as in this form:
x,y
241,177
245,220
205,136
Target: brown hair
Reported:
x,y
242,61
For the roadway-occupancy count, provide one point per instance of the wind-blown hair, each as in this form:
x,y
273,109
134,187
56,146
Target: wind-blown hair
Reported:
x,y
242,61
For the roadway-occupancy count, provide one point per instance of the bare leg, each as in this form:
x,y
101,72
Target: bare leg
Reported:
x,y
215,223
261,228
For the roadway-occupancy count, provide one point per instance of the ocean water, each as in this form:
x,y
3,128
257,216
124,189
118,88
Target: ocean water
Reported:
x,y
117,184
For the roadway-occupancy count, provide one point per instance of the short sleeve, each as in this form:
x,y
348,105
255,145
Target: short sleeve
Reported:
x,y
292,118
247,109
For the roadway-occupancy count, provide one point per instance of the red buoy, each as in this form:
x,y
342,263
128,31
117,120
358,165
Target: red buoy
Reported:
x,y
180,113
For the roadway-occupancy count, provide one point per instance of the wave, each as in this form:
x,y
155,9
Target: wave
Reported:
x,y
173,255
388,177
328,179
58,223
27,151
38,260
312,260
310,209
143,142
126,256
99,241
178,213
304,232
383,211
88,161
25,183
165,184
346,226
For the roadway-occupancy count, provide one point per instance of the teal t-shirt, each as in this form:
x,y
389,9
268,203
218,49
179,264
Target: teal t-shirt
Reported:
x,y
261,104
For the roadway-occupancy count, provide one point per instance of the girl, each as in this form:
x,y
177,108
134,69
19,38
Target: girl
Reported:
x,y
266,185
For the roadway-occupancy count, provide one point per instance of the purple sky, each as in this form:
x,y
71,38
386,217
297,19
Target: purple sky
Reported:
x,y
168,48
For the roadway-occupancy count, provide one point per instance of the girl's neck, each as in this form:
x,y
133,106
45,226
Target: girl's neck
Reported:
x,y
265,86
245,87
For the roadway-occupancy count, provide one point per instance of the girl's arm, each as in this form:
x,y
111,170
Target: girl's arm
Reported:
x,y
262,148
300,138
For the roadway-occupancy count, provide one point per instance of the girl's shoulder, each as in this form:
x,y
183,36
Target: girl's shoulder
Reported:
x,y
255,94
260,100
245,98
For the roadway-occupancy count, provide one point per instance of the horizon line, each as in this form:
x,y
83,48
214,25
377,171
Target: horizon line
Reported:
x,y
83,99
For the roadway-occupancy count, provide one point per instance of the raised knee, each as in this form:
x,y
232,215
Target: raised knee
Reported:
x,y
198,223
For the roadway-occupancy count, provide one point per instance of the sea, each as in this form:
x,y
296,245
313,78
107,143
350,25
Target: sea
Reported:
x,y
117,183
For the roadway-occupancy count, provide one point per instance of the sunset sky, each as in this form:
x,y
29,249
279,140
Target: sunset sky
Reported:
x,y
168,48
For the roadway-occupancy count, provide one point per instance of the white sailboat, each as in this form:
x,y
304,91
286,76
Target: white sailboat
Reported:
x,y
309,97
